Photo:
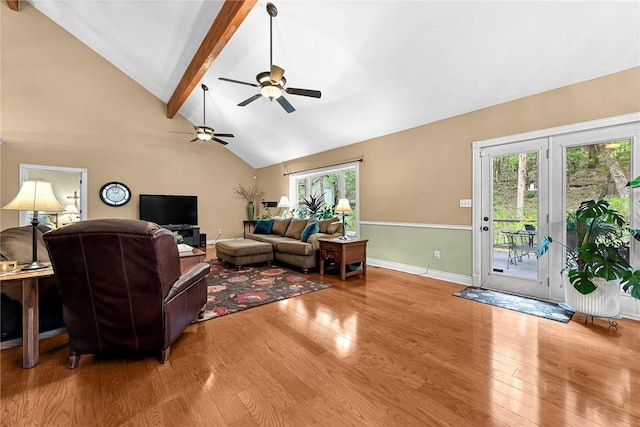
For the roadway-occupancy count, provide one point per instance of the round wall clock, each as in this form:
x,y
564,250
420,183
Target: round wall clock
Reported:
x,y
115,194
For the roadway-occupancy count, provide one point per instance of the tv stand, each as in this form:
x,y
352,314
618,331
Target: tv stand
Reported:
x,y
190,233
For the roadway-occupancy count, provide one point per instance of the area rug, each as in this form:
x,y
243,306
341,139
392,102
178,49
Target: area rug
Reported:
x,y
230,291
525,305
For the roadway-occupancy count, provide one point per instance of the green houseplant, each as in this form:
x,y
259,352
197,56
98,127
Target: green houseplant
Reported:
x,y
601,236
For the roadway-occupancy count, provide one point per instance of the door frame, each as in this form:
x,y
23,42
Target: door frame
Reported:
x,y
24,174
477,211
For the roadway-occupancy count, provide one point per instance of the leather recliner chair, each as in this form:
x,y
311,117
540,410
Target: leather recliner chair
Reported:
x,y
121,287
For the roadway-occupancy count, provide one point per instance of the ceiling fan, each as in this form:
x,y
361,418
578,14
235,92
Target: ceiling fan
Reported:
x,y
271,83
205,133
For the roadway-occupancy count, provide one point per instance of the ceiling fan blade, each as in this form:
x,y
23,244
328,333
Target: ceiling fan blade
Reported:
x,y
224,135
285,104
238,81
303,92
195,139
220,141
247,101
276,73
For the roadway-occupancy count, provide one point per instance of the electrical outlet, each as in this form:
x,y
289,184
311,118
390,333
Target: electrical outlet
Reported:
x,y
436,254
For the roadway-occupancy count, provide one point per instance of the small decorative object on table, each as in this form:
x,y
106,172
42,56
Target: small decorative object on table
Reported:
x,y
250,194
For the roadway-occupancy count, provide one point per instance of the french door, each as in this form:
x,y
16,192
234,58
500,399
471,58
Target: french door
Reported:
x,y
514,200
528,186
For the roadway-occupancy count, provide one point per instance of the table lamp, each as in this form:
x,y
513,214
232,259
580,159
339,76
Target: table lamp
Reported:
x,y
35,196
283,203
343,207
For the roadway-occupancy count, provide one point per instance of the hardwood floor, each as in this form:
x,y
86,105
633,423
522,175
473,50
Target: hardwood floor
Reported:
x,y
391,349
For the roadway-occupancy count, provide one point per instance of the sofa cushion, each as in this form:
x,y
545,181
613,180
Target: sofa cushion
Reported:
x,y
280,226
263,226
296,227
311,228
15,245
295,247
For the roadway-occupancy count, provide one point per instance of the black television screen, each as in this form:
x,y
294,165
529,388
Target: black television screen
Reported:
x,y
169,210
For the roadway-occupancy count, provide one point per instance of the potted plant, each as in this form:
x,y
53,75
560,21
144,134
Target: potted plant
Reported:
x,y
312,205
250,194
596,268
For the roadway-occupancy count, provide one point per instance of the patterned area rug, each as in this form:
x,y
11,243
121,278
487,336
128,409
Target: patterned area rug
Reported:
x,y
230,291
530,306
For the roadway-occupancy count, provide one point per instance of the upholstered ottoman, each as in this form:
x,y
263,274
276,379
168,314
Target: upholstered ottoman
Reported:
x,y
244,251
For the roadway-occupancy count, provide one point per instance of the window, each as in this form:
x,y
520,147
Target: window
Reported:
x,y
330,185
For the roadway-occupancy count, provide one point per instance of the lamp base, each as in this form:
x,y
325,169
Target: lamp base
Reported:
x,y
344,238
36,265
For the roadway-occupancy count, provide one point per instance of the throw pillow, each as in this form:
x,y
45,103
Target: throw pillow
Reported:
x,y
324,223
334,227
263,226
296,227
311,228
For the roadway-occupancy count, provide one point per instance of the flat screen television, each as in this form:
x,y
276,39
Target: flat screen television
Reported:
x,y
169,210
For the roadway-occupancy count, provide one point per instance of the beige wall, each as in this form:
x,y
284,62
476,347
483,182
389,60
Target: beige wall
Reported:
x,y
64,105
419,175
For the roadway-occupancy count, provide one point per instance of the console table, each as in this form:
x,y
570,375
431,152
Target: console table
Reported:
x,y
248,225
344,252
30,335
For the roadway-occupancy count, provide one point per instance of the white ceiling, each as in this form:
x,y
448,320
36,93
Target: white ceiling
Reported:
x,y
382,66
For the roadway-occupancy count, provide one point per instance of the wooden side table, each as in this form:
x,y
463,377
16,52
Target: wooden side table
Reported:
x,y
30,335
191,258
344,252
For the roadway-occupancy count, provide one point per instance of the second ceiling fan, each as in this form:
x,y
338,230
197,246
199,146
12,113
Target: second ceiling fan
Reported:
x,y
271,83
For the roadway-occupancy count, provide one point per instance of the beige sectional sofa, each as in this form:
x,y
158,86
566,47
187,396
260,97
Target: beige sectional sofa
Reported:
x,y
285,238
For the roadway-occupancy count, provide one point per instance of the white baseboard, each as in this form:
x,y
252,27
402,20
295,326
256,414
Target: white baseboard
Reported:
x,y
420,271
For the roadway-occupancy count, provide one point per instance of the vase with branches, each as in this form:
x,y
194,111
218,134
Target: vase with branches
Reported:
x,y
250,194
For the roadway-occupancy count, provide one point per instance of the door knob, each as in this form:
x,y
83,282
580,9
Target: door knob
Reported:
x,y
485,228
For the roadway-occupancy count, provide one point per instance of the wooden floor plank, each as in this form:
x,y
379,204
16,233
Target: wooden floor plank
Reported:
x,y
388,349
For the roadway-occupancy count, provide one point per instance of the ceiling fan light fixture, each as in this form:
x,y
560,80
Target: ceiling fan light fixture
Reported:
x,y
204,133
271,92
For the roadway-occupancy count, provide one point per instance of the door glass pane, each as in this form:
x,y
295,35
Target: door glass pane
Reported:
x,y
515,214
301,193
597,171
350,193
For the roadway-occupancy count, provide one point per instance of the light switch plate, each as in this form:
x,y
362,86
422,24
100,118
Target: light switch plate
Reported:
x,y
465,203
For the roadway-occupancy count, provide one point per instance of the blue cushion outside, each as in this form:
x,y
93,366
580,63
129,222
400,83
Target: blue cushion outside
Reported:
x,y
311,228
263,226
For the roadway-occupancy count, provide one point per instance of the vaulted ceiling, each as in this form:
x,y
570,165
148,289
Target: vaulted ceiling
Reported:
x,y
382,66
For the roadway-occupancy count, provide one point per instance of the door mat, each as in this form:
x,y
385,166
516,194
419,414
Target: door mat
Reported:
x,y
534,307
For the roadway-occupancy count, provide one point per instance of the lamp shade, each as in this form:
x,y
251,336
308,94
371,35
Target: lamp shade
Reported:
x,y
284,202
343,206
35,196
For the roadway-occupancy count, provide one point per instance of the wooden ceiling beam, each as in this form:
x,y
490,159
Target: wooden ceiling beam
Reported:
x,y
224,26
14,5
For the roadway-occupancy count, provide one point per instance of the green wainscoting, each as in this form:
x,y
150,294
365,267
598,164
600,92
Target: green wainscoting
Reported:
x,y
414,244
